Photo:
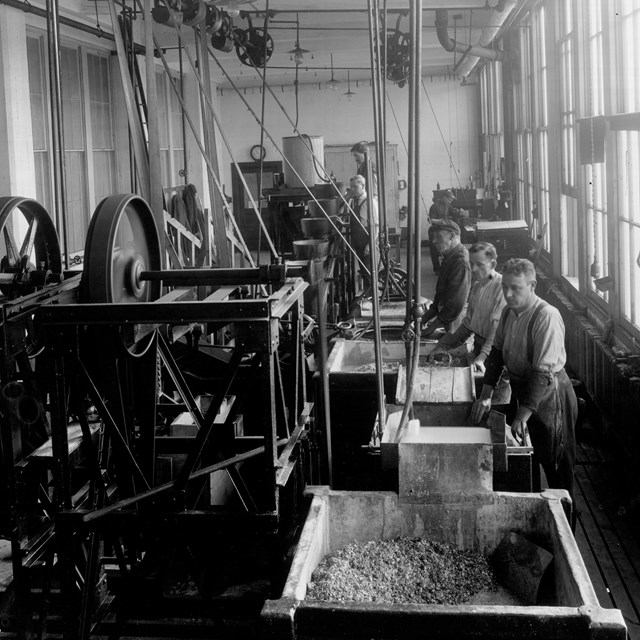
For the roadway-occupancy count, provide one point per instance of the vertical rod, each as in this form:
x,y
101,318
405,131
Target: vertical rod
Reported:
x,y
317,273
374,31
416,70
413,202
59,173
411,212
375,300
155,198
183,123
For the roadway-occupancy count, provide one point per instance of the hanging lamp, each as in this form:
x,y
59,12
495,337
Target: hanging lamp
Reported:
x,y
297,52
333,83
349,93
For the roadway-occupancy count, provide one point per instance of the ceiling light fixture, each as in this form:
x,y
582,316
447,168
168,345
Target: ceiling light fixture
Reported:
x,y
333,83
349,93
233,9
297,52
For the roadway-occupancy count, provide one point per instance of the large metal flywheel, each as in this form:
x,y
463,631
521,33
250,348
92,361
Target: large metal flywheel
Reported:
x,y
122,242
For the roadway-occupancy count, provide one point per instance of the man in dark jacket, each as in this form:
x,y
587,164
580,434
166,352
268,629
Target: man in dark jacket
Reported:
x,y
440,210
454,281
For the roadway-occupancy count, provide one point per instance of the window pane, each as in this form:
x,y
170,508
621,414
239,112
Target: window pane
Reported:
x,y
39,121
569,239
629,21
101,126
628,143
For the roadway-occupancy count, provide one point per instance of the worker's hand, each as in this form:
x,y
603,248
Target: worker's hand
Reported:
x,y
478,363
429,328
478,410
520,431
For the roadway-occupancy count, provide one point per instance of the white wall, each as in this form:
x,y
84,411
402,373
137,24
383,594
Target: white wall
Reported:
x,y
449,134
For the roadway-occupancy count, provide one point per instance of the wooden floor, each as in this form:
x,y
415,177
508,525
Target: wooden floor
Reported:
x,y
608,530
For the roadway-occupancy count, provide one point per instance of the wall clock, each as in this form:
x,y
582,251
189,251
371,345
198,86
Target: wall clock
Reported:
x,y
258,152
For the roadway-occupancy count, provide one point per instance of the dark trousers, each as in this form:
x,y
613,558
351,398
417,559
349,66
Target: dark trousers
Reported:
x,y
360,244
552,431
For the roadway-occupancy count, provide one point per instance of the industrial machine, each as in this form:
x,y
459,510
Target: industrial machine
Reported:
x,y
156,428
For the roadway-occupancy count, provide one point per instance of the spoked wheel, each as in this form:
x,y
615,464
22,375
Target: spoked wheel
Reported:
x,y
122,242
397,282
29,245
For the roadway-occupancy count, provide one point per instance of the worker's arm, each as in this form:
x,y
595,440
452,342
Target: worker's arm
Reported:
x,y
455,339
494,321
548,356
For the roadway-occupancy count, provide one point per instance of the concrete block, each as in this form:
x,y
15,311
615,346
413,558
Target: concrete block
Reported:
x,y
449,464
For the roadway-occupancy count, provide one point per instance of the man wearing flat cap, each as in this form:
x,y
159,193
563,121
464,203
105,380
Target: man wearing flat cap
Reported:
x,y
441,210
454,280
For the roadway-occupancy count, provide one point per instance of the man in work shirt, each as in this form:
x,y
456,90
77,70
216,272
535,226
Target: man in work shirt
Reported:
x,y
359,220
484,309
529,341
454,281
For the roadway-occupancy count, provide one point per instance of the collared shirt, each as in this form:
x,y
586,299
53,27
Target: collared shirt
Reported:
x,y
360,209
549,355
486,303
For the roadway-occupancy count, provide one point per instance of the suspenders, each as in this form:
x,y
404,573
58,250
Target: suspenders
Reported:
x,y
532,321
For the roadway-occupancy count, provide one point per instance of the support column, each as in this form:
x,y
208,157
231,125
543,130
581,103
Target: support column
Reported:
x,y
17,166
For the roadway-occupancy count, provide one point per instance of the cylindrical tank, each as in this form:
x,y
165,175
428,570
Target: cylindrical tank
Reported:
x,y
309,168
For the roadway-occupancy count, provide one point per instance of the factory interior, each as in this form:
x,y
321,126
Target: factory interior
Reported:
x,y
213,424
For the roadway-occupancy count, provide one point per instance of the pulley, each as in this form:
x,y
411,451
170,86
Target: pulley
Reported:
x,y
167,12
213,21
397,55
194,12
222,39
254,47
122,242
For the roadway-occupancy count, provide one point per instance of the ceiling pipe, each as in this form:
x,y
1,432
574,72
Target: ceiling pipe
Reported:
x,y
477,50
505,12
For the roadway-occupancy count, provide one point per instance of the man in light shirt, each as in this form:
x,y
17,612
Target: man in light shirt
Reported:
x,y
484,309
529,341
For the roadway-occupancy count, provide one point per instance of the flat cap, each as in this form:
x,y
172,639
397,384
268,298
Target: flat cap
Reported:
x,y
446,225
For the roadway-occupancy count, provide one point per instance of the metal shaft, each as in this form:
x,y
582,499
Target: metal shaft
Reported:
x,y
375,301
251,275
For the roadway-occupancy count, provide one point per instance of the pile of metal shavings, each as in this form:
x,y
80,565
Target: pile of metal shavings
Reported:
x,y
392,365
370,367
453,361
401,571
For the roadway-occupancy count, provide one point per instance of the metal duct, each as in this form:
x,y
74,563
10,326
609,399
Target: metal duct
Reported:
x,y
480,50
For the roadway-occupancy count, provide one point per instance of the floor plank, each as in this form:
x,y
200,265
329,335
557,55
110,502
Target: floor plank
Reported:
x,y
609,557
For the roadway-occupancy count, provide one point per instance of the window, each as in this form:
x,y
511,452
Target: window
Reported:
x,y
628,165
595,174
102,137
492,122
540,204
39,121
629,222
523,146
87,129
569,219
